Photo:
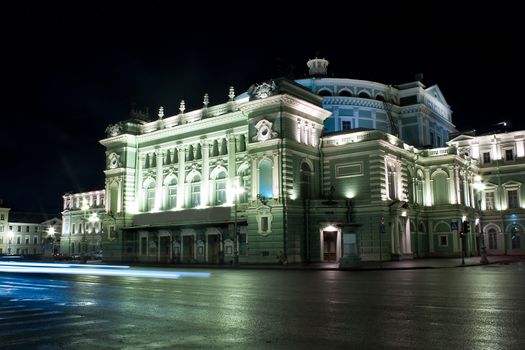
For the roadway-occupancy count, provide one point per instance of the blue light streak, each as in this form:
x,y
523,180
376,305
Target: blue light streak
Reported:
x,y
94,270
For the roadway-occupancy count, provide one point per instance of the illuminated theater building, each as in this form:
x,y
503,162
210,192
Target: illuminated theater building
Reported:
x,y
320,169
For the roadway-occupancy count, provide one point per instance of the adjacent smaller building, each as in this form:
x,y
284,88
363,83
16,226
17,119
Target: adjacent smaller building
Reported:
x,y
29,234
82,229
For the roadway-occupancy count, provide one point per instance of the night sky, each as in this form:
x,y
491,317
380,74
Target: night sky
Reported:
x,y
69,69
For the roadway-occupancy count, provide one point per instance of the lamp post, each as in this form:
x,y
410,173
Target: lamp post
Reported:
x,y
10,235
93,219
84,208
51,237
236,192
480,187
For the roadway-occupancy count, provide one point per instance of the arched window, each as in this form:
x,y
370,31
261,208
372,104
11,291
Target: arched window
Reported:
x,y
391,181
324,92
244,178
363,94
220,188
265,178
149,202
515,237
113,193
493,238
305,181
440,188
195,191
345,93
380,97
171,194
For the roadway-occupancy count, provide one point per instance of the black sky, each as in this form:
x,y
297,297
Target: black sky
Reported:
x,y
70,69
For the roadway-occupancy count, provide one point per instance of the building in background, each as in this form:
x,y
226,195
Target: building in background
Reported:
x,y
32,235
321,169
82,223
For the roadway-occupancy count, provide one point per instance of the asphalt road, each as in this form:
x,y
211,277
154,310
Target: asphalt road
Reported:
x,y
457,308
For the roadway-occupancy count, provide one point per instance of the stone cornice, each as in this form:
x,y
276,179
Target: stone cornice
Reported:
x,y
189,127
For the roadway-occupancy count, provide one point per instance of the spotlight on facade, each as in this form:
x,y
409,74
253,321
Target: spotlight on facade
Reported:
x,y
464,218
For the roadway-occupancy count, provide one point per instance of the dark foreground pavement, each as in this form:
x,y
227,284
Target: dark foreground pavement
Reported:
x,y
423,263
476,307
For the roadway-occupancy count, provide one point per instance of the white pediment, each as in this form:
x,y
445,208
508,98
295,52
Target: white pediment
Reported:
x,y
435,91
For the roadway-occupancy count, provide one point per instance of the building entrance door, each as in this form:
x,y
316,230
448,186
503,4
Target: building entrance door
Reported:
x,y
329,245
214,248
188,247
164,248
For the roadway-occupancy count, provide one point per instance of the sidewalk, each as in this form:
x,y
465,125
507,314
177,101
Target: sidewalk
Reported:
x,y
423,263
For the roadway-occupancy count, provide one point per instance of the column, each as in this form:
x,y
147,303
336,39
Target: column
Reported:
x,y
276,171
205,187
428,188
255,178
452,185
458,190
139,198
159,180
231,166
181,151
119,194
472,199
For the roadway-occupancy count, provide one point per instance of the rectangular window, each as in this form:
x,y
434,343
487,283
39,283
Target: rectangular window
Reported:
x,y
73,231
513,201
35,240
346,125
509,154
27,240
490,200
18,240
220,192
443,241
439,141
2,217
19,229
431,138
27,228
486,157
1,228
264,224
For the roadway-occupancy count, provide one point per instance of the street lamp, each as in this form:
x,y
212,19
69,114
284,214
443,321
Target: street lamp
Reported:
x,y
10,235
51,236
93,219
236,192
84,208
480,187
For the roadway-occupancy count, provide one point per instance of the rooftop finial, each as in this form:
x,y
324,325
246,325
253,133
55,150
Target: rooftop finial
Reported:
x,y
318,67
182,107
231,94
161,112
206,100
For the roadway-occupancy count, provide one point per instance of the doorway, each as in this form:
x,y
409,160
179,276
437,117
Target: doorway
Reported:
x,y
164,249
330,246
188,248
214,248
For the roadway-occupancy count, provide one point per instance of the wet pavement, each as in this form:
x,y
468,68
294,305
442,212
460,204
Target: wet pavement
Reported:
x,y
475,307
421,263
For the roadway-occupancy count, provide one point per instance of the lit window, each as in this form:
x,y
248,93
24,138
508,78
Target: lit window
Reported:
x,y
512,197
509,154
490,201
486,157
